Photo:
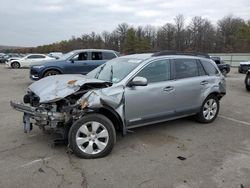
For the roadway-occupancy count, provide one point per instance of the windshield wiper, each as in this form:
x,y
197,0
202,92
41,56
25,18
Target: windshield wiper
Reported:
x,y
98,73
111,73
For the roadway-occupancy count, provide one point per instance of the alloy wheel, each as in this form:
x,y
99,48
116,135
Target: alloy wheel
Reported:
x,y
210,109
92,137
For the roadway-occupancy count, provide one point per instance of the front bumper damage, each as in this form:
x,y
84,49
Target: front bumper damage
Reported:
x,y
38,116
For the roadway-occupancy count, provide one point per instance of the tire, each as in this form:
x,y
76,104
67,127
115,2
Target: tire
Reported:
x,y
89,146
51,73
212,104
247,87
15,65
247,83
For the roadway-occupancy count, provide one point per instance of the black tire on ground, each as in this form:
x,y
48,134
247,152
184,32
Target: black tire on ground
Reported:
x,y
247,86
86,119
15,65
51,73
200,117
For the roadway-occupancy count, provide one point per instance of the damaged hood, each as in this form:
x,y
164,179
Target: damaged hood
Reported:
x,y
54,88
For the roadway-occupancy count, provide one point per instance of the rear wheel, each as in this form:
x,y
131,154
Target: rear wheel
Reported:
x,y
51,73
92,136
209,110
248,83
15,65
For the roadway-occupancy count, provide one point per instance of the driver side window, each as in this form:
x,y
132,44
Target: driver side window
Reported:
x,y
157,71
81,56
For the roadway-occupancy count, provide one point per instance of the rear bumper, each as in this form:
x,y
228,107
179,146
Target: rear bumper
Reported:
x,y
243,68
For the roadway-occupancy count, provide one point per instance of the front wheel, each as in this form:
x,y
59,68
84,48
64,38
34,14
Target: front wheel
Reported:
x,y
51,73
209,110
15,65
92,136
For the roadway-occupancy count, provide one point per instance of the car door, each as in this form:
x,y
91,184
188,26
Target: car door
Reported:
x,y
154,102
189,82
28,60
96,59
77,64
38,58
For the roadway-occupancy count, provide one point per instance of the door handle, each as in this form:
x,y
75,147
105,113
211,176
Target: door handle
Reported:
x,y
204,82
168,88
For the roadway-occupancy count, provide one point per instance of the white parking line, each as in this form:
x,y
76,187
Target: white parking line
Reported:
x,y
235,120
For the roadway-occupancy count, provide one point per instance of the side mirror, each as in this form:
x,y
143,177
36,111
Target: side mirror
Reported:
x,y
138,81
72,61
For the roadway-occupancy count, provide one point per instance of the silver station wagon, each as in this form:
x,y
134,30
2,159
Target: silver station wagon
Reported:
x,y
124,93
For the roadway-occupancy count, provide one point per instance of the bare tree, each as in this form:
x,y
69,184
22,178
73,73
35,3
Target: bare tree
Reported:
x,y
179,36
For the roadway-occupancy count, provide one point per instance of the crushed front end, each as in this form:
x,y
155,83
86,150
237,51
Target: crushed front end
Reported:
x,y
54,115
53,102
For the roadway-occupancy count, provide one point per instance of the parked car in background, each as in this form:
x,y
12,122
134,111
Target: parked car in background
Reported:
x,y
27,60
56,55
244,67
9,57
247,80
124,93
224,67
74,62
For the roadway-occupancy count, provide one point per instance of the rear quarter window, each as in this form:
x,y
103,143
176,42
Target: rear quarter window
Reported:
x,y
108,55
209,67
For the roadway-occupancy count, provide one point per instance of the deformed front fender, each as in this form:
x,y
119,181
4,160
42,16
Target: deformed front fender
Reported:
x,y
108,98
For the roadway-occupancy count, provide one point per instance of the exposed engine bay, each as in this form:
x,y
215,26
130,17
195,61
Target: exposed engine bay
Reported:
x,y
57,106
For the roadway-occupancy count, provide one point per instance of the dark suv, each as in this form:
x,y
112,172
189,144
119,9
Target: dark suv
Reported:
x,y
74,62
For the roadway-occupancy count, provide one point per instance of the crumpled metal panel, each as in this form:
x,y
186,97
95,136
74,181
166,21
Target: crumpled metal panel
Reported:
x,y
54,88
111,97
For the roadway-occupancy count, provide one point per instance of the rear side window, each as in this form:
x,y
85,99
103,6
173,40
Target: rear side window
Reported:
x,y
36,56
201,70
157,71
186,68
108,55
209,67
96,56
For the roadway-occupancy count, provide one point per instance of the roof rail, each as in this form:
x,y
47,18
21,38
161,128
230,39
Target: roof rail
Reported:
x,y
198,54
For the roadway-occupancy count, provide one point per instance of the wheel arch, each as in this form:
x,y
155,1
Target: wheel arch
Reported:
x,y
215,93
15,61
112,115
51,68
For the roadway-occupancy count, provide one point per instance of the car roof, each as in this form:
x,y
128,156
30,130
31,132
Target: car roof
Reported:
x,y
143,56
97,50
35,54
150,56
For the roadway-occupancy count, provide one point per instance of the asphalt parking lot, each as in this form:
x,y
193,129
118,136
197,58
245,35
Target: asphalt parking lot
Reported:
x,y
214,155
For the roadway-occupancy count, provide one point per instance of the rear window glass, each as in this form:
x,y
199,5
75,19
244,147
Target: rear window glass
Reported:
x,y
108,55
185,68
209,67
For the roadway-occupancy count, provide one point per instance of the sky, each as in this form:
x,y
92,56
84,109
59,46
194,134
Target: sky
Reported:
x,y
38,22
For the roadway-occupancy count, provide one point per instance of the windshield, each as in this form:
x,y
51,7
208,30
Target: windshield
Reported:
x,y
115,70
67,55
